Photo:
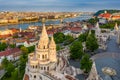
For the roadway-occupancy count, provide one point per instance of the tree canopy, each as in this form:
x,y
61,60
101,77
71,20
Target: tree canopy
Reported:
x,y
86,63
83,37
91,42
76,50
59,37
3,46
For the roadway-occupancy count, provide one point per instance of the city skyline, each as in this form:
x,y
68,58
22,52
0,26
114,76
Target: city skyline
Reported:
x,y
58,5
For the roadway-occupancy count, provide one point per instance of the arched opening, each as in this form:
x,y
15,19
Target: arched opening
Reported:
x,y
44,68
34,76
44,47
41,68
40,78
28,70
42,56
48,68
46,56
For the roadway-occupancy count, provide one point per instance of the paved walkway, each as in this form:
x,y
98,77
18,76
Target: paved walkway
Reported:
x,y
112,45
2,72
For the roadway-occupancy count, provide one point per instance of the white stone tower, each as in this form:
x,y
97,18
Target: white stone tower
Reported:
x,y
43,60
116,27
97,29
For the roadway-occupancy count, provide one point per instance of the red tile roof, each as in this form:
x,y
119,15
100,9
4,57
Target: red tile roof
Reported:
x,y
9,52
76,29
105,15
50,32
5,36
116,16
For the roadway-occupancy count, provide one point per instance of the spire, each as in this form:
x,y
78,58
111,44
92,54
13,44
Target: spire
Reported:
x,y
52,42
93,73
97,25
20,29
116,27
43,41
34,58
105,11
89,32
85,26
97,31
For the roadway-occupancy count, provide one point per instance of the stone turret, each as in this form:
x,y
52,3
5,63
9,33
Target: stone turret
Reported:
x,y
93,73
52,43
52,50
116,27
44,59
43,42
85,27
97,29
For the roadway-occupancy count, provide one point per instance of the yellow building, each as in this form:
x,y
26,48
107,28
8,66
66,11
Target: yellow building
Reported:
x,y
6,32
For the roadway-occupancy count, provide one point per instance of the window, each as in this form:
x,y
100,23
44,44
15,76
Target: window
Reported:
x,y
44,68
40,78
28,70
34,76
41,68
44,47
46,56
42,56
47,68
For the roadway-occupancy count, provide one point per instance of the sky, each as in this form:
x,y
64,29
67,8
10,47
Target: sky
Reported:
x,y
58,5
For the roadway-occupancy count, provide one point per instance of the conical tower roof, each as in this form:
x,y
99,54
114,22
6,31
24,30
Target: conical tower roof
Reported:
x,y
98,30
52,42
85,26
43,41
93,73
116,27
97,25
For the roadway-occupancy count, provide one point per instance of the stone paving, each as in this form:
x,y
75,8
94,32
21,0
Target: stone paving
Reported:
x,y
112,45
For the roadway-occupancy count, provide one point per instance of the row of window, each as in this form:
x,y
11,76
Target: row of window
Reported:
x,y
35,77
42,68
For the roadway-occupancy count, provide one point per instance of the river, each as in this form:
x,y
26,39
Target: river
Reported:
x,y
25,25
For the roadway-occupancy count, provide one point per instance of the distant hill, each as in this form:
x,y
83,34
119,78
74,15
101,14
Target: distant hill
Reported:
x,y
109,11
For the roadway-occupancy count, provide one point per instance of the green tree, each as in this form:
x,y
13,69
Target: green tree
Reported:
x,y
31,49
5,63
3,46
83,37
22,65
76,50
12,45
59,37
86,63
68,39
24,49
9,69
14,74
58,47
91,42
93,20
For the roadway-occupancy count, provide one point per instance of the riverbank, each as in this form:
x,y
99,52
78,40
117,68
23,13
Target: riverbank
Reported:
x,y
22,22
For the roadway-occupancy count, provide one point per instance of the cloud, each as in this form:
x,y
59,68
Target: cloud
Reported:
x,y
60,4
